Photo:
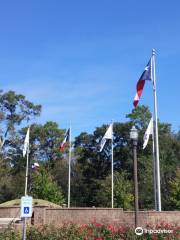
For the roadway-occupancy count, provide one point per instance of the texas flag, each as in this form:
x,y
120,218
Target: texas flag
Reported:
x,y
66,139
146,75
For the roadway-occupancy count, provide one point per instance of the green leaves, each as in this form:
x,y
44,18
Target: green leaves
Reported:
x,y
91,169
45,188
140,116
175,190
123,191
16,108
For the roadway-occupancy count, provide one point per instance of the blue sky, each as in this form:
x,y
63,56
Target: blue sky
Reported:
x,y
81,59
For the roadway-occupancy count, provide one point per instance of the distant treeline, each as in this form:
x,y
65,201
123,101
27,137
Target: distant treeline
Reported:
x,y
91,169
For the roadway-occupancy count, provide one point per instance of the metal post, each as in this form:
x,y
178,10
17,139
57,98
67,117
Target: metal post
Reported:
x,y
69,174
156,136
24,229
25,191
27,168
135,182
154,168
112,171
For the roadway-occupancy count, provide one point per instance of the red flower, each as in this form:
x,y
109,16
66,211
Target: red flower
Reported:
x,y
112,228
98,224
122,229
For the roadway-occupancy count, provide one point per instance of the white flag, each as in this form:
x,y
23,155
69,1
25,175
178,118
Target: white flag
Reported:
x,y
1,142
107,135
26,143
149,131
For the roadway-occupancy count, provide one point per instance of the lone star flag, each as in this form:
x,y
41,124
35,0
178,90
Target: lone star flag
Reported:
x,y
66,139
26,143
146,75
148,132
107,135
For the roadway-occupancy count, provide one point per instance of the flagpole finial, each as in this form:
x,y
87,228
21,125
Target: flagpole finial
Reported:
x,y
153,51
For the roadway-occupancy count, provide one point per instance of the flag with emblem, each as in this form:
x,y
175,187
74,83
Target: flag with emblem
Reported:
x,y
66,139
146,75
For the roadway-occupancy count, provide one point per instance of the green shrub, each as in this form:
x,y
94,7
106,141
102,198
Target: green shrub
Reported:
x,y
10,234
93,231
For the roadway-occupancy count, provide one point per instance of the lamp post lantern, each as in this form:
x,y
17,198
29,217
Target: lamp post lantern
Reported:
x,y
134,139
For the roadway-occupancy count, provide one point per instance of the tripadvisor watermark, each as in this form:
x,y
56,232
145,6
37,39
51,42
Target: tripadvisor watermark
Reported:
x,y
140,231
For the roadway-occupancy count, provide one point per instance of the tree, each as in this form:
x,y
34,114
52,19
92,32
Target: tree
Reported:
x,y
14,109
140,116
6,190
91,169
45,188
123,191
175,190
95,166
169,162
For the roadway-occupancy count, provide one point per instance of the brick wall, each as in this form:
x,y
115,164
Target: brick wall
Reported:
x,y
9,212
83,215
108,215
58,216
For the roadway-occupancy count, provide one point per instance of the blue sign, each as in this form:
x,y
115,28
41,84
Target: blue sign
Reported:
x,y
26,210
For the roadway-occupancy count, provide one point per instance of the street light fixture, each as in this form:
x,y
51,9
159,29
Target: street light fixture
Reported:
x,y
134,138
134,133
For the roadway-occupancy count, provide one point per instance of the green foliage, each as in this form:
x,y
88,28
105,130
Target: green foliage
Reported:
x,y
5,181
65,232
92,231
169,162
10,234
140,116
90,169
44,145
45,140
14,109
45,188
95,167
145,179
175,190
123,189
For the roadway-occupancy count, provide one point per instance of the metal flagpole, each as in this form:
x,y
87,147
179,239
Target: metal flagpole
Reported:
x,y
154,154
25,191
154,168
69,176
27,166
112,169
156,136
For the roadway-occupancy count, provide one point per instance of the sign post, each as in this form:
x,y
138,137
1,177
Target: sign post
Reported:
x,y
26,211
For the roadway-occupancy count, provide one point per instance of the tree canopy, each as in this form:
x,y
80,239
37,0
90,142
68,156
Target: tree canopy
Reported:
x,y
90,169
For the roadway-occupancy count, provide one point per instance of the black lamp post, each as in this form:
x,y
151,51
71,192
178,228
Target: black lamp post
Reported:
x,y
134,138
